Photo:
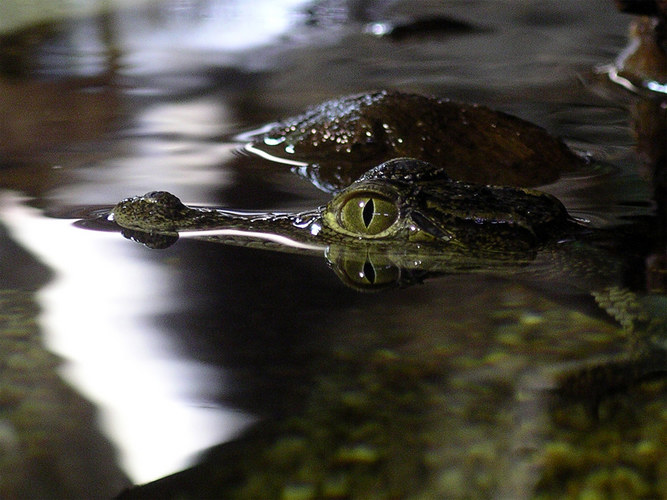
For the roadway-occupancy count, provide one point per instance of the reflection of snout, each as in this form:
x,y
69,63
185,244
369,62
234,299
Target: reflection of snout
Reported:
x,y
151,240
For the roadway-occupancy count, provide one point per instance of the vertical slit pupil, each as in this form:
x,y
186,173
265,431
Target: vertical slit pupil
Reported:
x,y
368,212
369,272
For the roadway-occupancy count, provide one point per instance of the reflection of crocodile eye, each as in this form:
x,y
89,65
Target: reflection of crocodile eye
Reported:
x,y
372,272
368,214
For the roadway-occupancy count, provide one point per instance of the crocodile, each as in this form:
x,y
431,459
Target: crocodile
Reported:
x,y
405,220
398,223
403,168
402,211
412,217
334,143
421,185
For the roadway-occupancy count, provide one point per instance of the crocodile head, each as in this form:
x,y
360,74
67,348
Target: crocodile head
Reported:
x,y
400,203
400,212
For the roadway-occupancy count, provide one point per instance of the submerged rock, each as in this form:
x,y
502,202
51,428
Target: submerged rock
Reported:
x,y
337,141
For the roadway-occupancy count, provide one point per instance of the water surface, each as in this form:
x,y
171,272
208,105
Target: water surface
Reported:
x,y
150,359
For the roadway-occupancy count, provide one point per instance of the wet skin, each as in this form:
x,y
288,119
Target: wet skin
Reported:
x,y
435,207
456,200
399,223
401,203
334,143
406,220
438,198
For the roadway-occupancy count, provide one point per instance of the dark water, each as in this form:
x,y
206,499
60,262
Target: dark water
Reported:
x,y
121,365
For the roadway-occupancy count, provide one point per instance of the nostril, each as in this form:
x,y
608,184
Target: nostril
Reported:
x,y
164,198
155,194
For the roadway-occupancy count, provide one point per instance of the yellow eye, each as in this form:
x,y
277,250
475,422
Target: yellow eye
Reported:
x,y
371,273
367,214
362,269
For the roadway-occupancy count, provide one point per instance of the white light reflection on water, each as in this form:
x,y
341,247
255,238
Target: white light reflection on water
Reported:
x,y
97,314
169,146
192,31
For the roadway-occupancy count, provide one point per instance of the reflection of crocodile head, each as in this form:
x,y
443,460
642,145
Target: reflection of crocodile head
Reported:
x,y
401,211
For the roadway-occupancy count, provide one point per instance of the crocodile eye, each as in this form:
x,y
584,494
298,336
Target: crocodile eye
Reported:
x,y
367,214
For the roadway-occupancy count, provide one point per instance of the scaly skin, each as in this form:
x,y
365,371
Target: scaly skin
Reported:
x,y
421,223
336,142
403,202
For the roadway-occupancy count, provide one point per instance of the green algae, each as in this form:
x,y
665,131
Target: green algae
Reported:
x,y
49,446
409,412
619,452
